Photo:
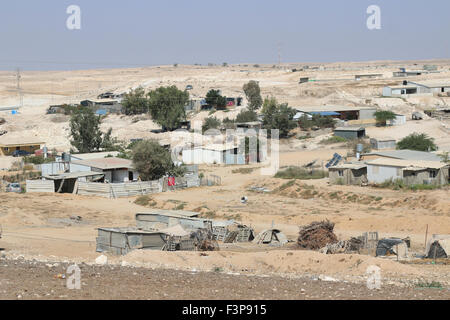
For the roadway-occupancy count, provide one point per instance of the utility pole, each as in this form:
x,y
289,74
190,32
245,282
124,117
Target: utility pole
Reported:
x,y
19,89
279,54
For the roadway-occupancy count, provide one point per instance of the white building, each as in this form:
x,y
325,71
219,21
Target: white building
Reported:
x,y
213,154
398,121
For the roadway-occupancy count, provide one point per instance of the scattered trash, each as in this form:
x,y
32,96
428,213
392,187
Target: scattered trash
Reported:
x,y
354,245
317,235
392,247
259,189
271,236
101,260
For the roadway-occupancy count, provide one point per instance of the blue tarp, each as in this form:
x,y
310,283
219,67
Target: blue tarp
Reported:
x,y
327,113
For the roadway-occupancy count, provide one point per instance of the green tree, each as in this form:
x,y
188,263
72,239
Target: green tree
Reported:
x,y
382,116
278,116
85,130
153,161
135,102
166,105
211,123
418,142
246,116
253,93
214,99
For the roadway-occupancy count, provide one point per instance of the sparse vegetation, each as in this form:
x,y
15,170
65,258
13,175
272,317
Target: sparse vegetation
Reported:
x,y
301,173
433,284
145,201
243,170
333,140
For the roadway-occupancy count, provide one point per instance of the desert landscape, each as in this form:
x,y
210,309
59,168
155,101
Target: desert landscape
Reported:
x,y
40,236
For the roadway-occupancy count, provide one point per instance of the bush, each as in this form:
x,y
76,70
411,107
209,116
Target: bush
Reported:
x,y
301,173
211,123
418,142
153,161
38,159
382,117
246,116
333,140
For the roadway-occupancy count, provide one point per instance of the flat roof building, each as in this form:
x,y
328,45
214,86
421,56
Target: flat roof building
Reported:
x,y
350,132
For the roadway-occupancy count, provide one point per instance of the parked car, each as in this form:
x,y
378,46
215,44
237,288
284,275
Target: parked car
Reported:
x,y
189,87
14,187
20,153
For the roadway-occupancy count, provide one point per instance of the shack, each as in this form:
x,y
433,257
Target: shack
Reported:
x,y
7,147
68,182
438,247
350,132
120,241
383,144
116,170
163,219
348,174
409,171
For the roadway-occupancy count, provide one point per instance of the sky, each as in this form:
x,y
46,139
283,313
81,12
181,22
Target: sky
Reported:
x,y
34,36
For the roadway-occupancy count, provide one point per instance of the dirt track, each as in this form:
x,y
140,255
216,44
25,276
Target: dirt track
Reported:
x,y
32,280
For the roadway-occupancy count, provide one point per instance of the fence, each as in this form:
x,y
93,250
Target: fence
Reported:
x,y
44,186
119,190
211,180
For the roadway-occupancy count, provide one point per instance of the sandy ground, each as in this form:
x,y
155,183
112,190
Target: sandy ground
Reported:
x,y
37,226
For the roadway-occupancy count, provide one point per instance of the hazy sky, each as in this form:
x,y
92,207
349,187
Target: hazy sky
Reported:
x,y
143,32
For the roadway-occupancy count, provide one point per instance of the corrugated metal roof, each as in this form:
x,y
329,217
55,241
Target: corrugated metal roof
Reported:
x,y
72,175
407,163
406,155
349,129
94,155
355,166
333,108
106,163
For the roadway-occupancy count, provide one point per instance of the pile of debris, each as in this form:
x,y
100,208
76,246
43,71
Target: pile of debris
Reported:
x,y
231,231
271,237
316,235
354,245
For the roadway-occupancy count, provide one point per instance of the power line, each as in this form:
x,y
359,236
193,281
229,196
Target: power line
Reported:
x,y
19,89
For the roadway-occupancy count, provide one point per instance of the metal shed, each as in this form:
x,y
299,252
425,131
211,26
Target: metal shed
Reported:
x,y
165,219
120,241
348,174
350,132
383,144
